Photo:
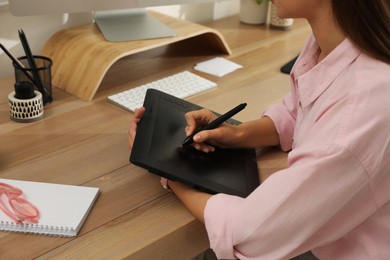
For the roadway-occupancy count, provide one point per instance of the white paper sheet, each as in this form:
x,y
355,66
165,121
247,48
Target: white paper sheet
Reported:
x,y
217,66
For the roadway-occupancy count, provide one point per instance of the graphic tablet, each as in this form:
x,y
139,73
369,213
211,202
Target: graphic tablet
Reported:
x,y
157,148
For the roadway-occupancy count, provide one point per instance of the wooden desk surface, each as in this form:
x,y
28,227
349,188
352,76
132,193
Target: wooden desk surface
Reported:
x,y
85,143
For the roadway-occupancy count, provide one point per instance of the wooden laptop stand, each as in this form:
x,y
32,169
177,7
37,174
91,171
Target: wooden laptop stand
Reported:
x,y
81,56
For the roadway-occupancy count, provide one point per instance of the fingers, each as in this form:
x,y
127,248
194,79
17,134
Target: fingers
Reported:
x,y
204,147
197,119
205,140
191,122
138,114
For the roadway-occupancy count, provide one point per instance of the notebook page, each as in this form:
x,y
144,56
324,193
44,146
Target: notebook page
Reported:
x,y
60,206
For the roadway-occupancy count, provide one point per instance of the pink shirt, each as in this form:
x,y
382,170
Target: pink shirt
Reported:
x,y
334,198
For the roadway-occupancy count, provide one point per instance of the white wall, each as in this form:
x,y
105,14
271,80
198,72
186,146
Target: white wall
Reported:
x,y
38,29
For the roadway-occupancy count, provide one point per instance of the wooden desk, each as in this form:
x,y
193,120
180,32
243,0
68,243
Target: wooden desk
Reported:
x,y
85,143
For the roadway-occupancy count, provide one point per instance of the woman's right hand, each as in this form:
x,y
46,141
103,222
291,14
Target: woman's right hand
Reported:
x,y
223,136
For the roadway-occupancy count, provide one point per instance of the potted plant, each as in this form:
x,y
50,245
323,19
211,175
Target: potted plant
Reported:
x,y
253,11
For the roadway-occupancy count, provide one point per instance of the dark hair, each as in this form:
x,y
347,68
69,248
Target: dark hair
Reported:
x,y
367,24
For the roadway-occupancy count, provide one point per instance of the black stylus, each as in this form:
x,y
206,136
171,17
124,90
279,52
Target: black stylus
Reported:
x,y
215,123
30,58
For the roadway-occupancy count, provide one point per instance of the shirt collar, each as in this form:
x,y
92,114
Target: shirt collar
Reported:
x,y
313,79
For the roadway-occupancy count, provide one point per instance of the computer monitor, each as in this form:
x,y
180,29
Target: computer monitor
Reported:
x,y
118,20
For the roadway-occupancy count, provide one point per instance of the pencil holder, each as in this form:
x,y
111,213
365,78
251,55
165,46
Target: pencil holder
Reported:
x,y
42,73
25,103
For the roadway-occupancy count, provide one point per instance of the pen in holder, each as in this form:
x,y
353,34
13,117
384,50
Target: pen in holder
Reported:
x,y
42,71
25,103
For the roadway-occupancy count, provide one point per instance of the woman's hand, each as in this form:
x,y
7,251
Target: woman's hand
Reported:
x,y
138,114
256,133
206,141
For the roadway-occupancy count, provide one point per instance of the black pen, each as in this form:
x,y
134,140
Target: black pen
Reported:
x,y
215,123
33,67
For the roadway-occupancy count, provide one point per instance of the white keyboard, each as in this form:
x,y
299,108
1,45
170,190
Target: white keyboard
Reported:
x,y
181,85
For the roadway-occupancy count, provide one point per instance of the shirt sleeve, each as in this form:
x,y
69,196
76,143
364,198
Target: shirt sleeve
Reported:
x,y
283,116
282,217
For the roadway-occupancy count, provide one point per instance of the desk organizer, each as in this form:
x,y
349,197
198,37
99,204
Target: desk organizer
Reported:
x,y
25,110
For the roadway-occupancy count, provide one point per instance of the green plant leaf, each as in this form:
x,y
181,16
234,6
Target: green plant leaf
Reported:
x,y
259,2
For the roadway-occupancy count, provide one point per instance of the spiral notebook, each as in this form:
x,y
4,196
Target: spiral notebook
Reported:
x,y
63,208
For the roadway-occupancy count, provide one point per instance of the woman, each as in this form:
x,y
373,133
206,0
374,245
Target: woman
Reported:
x,y
334,197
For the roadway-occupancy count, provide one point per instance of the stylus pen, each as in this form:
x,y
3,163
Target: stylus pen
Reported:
x,y
33,67
215,123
